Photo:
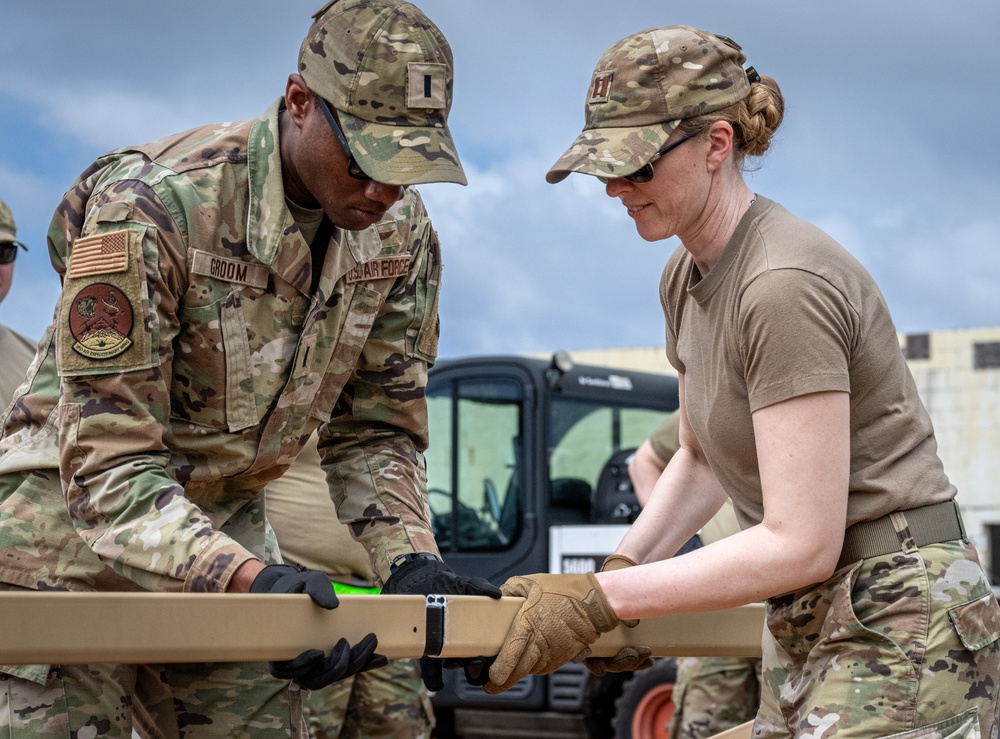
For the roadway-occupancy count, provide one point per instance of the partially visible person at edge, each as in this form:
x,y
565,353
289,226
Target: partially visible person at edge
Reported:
x,y
711,694
797,404
16,351
388,702
226,292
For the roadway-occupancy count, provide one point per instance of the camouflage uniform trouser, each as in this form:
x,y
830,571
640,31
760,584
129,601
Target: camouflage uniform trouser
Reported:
x,y
163,701
388,702
198,701
902,645
713,694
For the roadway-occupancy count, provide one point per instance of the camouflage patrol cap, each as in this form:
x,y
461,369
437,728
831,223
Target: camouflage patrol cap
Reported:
x,y
388,71
643,86
8,231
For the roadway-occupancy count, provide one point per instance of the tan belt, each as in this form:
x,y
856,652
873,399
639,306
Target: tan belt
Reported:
x,y
930,524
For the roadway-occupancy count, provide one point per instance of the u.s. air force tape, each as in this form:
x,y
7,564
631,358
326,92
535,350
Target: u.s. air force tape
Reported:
x,y
379,269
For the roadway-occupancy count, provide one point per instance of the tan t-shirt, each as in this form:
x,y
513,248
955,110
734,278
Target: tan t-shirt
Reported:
x,y
304,519
785,312
16,353
665,440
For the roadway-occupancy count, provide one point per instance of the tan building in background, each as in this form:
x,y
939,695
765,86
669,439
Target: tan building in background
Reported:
x,y
958,377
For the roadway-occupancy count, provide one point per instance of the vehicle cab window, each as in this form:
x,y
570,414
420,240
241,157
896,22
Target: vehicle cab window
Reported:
x,y
474,463
585,437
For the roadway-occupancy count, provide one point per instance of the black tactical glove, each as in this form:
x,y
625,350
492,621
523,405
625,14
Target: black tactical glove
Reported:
x,y
313,669
425,574
288,579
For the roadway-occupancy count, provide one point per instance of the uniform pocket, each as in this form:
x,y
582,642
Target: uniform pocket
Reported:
x,y
212,382
241,400
361,315
963,726
33,449
977,622
30,709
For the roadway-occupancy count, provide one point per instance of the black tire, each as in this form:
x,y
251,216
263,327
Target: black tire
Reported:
x,y
645,707
444,719
599,697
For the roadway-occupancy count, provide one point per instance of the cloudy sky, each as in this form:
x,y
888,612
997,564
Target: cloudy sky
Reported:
x,y
889,143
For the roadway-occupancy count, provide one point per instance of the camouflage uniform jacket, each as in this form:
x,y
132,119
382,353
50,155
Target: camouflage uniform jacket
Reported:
x,y
187,364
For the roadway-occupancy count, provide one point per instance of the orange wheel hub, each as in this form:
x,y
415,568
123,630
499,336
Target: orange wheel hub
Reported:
x,y
654,713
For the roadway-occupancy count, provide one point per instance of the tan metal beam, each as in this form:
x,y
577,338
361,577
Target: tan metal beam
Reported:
x,y
743,731
80,628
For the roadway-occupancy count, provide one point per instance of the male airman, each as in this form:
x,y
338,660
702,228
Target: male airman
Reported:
x,y
16,351
212,317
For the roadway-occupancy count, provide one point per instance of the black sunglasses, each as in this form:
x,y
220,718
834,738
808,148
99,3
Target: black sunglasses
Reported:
x,y
8,252
353,168
645,173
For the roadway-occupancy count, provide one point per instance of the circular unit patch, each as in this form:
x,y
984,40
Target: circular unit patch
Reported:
x,y
101,321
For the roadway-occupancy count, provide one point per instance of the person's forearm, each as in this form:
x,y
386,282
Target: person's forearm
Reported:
x,y
644,469
244,576
803,452
685,496
744,568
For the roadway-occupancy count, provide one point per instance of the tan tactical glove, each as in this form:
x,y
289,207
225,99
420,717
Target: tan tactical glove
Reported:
x,y
628,659
617,562
561,616
620,562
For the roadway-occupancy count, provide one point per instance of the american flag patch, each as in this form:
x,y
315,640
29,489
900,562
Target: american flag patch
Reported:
x,y
99,254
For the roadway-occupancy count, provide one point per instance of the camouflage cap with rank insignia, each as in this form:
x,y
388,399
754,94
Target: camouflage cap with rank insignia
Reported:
x,y
642,88
387,69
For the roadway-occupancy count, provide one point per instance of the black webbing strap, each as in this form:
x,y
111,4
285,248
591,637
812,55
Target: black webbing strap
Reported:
x,y
437,609
928,525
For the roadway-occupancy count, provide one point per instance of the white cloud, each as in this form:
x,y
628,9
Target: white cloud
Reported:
x,y
873,149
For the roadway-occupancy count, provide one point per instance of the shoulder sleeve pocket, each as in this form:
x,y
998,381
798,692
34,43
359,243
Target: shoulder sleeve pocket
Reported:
x,y
428,292
103,324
